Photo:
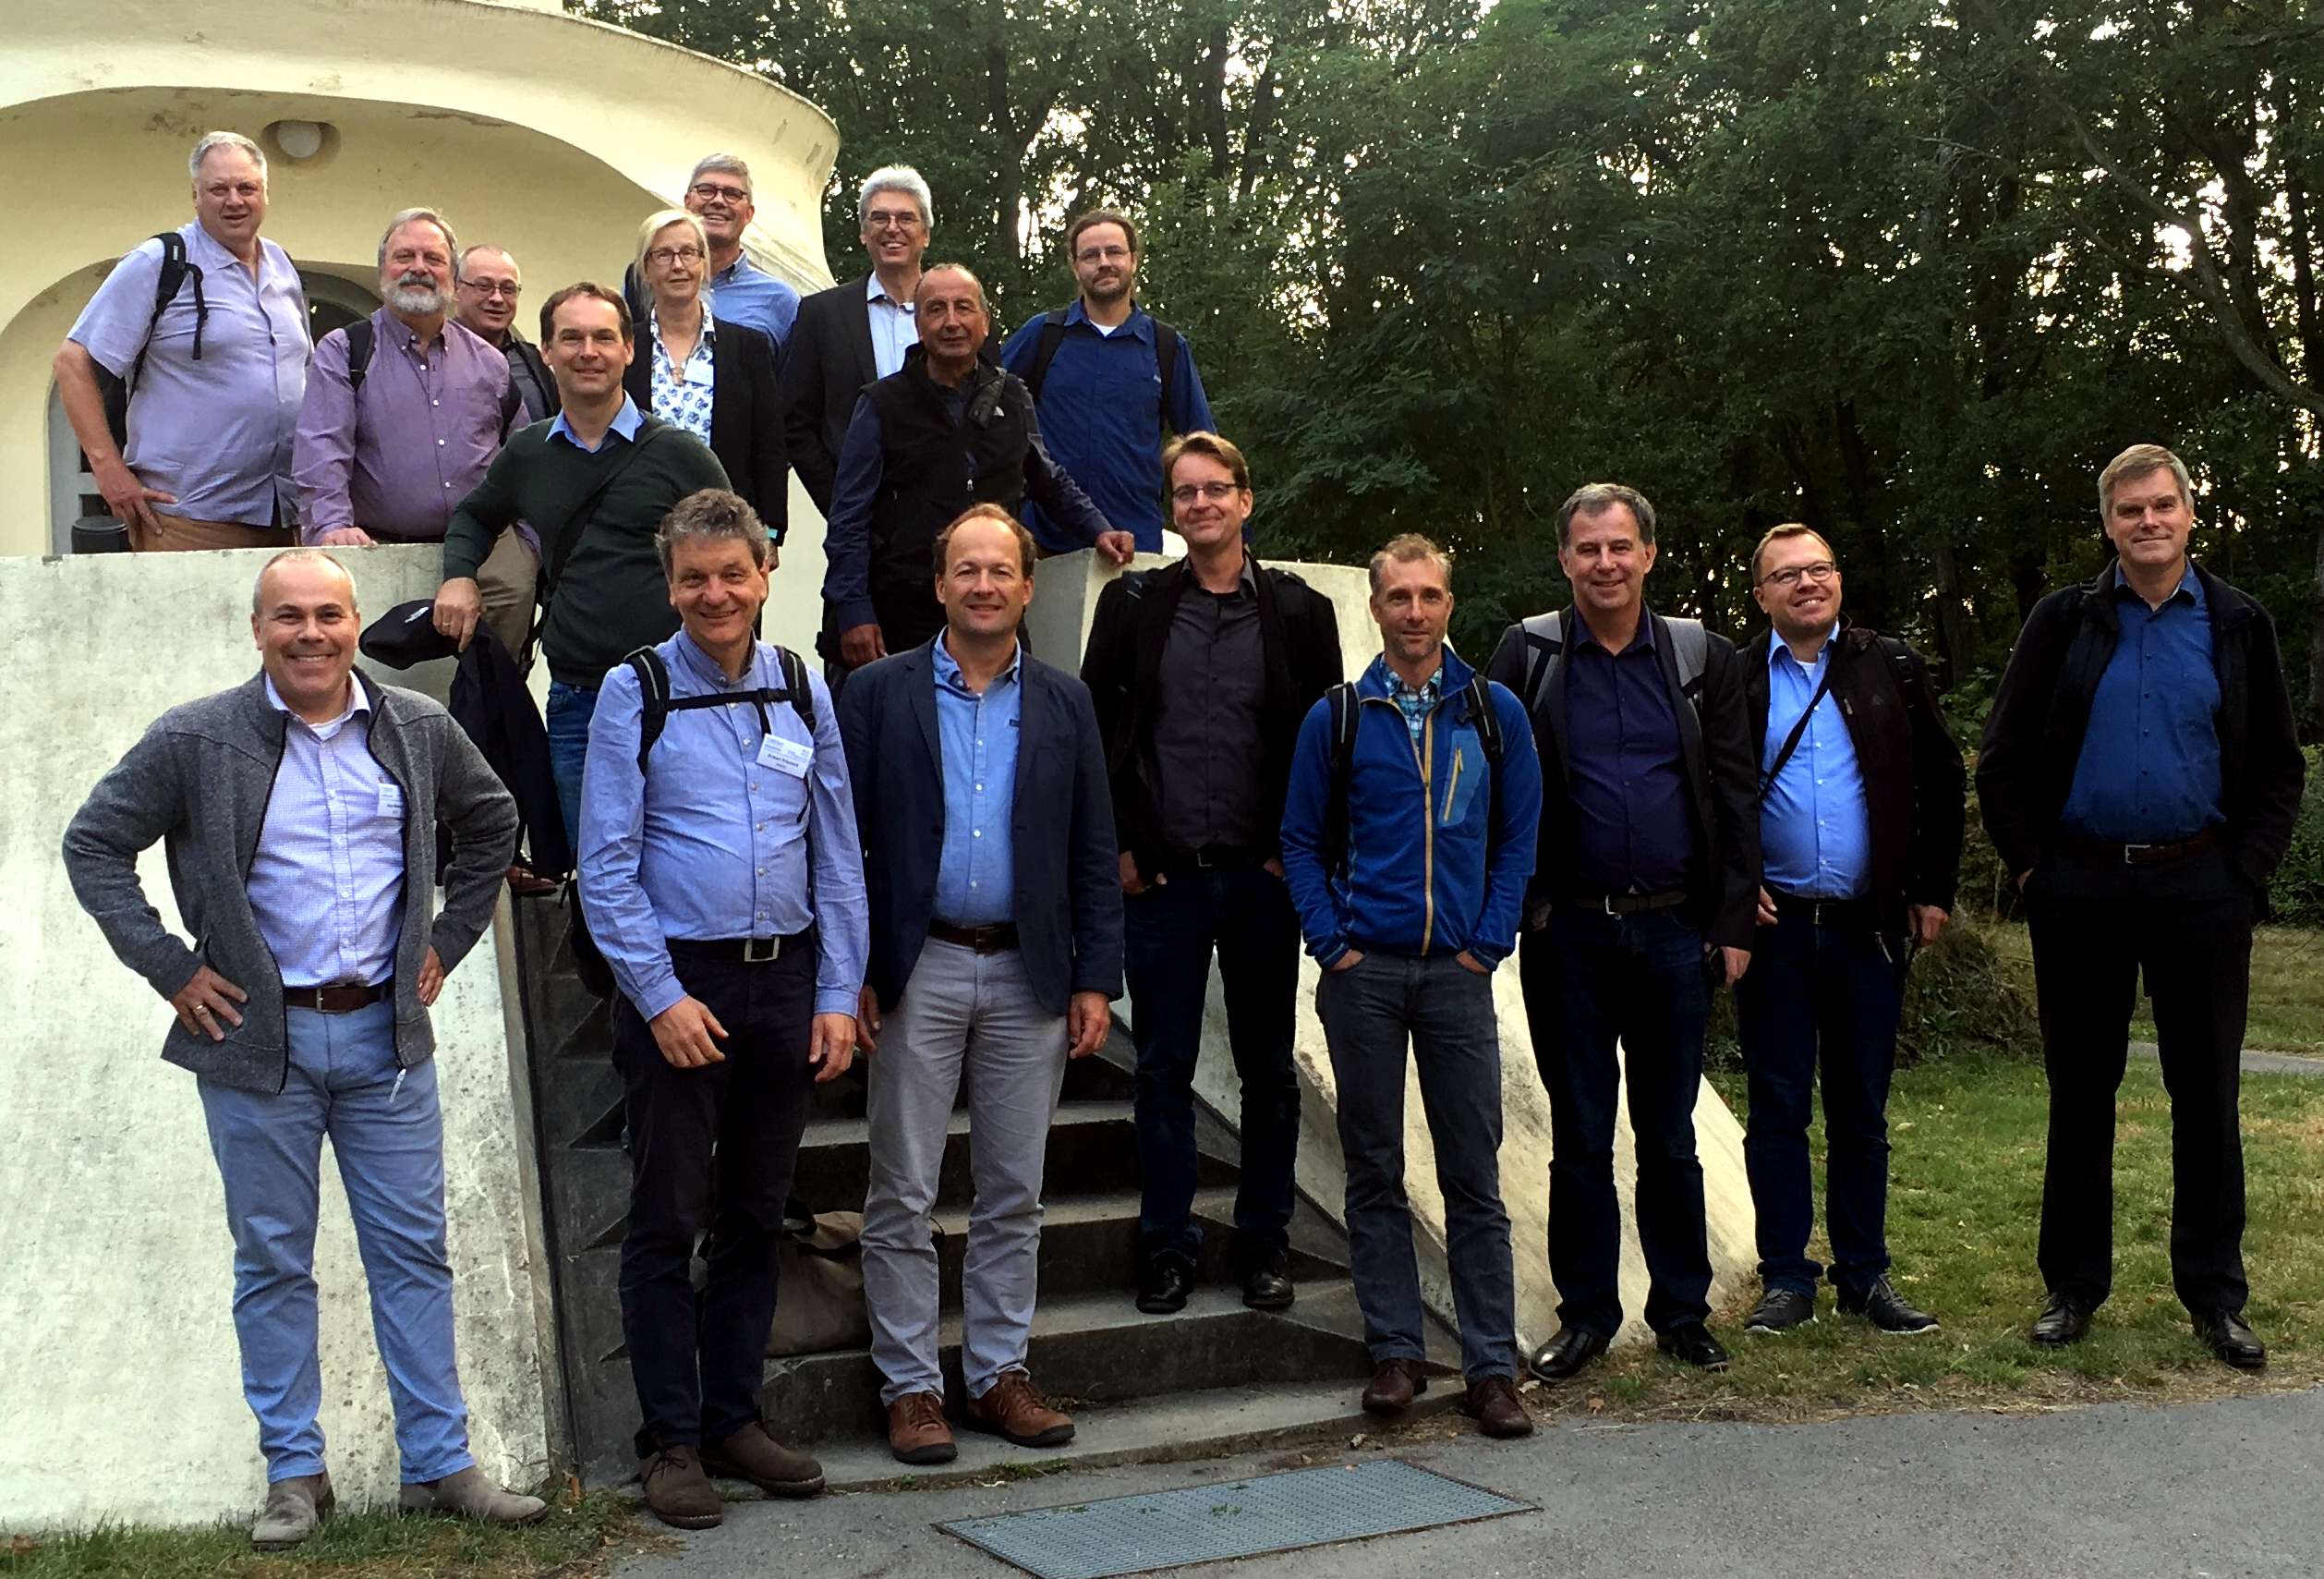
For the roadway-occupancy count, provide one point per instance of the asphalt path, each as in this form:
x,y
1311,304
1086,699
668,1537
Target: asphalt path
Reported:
x,y
2215,1490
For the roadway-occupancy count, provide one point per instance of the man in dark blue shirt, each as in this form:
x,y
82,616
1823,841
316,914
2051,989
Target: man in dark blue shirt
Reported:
x,y
1642,901
1105,378
2140,775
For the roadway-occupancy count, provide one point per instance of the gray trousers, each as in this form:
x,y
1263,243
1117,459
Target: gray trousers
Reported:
x,y
962,1017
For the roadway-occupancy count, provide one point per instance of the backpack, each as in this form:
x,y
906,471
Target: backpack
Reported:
x,y
653,681
1545,650
359,349
1347,717
176,268
1053,336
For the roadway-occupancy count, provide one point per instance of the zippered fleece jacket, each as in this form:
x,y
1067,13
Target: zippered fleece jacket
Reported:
x,y
1439,844
199,781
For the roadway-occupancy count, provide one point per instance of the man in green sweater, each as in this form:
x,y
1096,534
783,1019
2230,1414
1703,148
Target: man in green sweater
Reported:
x,y
594,483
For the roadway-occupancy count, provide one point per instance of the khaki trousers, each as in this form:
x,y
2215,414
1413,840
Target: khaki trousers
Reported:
x,y
508,580
180,534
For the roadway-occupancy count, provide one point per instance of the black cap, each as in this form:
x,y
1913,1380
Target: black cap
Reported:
x,y
407,635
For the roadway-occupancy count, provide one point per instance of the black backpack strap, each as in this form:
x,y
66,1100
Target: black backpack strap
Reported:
x,y
512,406
795,681
1798,730
653,688
361,345
176,268
656,703
1477,708
1166,362
1045,351
1345,716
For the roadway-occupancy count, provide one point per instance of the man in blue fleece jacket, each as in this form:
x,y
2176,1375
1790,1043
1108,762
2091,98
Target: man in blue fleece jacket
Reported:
x,y
1407,849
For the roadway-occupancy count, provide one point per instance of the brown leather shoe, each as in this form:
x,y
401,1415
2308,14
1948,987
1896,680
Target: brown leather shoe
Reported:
x,y
916,1432
1394,1386
679,1493
751,1454
1491,1402
1014,1411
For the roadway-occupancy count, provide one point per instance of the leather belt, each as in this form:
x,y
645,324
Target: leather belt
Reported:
x,y
2138,855
1215,858
336,1000
1628,904
1858,915
994,937
741,951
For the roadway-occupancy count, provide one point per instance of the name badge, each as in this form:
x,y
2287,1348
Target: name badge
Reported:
x,y
791,757
391,799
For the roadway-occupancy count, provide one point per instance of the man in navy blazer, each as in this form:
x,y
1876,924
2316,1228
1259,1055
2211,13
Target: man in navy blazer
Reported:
x,y
989,859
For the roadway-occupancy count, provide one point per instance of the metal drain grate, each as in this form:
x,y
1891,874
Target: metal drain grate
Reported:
x,y
1244,1518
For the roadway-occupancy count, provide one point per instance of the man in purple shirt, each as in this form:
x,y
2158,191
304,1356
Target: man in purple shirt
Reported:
x,y
404,412
214,374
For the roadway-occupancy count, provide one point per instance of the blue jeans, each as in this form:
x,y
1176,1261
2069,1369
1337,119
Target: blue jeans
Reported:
x,y
1829,997
387,1132
1246,914
1445,1010
570,709
1592,979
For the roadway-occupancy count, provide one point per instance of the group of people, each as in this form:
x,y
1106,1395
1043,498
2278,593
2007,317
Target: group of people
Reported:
x,y
945,855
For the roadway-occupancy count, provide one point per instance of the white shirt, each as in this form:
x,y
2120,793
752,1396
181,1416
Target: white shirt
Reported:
x,y
893,329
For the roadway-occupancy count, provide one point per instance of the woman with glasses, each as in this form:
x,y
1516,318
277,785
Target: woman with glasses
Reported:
x,y
698,372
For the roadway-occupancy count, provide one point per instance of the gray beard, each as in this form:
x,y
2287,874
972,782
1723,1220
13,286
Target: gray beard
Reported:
x,y
419,301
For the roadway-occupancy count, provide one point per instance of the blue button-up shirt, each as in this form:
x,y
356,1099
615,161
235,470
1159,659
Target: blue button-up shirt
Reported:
x,y
2149,772
743,293
1101,414
1815,827
894,330
976,875
327,884
719,839
626,422
1632,833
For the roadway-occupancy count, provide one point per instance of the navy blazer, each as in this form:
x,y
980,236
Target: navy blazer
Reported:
x,y
1068,897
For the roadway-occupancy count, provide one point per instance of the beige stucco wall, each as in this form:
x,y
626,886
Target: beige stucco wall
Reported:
x,y
1064,601
119,1379
540,132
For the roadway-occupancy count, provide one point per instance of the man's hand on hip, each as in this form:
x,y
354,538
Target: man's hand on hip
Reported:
x,y
206,1001
459,605
1089,1017
831,1045
685,1031
129,500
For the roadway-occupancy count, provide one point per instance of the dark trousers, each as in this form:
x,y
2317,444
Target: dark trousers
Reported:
x,y
1443,1011
1172,929
2096,929
1819,1001
1592,979
711,1148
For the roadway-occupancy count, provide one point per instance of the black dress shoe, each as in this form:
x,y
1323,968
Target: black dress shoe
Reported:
x,y
1885,1308
1267,1287
1564,1355
1780,1310
1691,1343
1168,1282
2066,1319
2224,1333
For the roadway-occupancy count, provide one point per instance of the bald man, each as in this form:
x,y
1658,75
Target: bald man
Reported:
x,y
293,807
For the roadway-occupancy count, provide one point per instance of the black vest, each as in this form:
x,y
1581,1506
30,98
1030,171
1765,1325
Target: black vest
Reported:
x,y
931,469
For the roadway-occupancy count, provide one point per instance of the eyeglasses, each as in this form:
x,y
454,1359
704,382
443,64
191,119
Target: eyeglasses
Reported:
x,y
1790,574
490,288
1215,492
1101,255
891,219
665,256
711,192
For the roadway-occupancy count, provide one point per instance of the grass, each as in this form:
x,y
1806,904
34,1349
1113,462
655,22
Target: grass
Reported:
x,y
579,1540
1964,1213
2287,1009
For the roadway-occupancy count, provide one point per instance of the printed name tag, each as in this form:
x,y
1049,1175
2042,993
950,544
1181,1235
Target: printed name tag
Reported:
x,y
786,755
391,799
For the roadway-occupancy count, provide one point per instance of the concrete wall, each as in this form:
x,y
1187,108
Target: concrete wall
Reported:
x,y
1065,600
119,1380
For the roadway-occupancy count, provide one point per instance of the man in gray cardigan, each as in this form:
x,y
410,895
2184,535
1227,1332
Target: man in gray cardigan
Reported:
x,y
294,809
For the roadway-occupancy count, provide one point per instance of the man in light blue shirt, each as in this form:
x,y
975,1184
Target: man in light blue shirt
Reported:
x,y
719,194
723,882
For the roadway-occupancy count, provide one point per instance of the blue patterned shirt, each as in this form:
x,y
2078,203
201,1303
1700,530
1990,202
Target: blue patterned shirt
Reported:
x,y
682,395
1416,705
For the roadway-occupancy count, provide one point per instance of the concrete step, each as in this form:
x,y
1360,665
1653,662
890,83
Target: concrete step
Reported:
x,y
1100,1349
1097,1079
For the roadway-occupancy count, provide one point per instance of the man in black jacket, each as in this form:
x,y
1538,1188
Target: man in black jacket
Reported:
x,y
2140,775
1202,672
1860,816
1645,884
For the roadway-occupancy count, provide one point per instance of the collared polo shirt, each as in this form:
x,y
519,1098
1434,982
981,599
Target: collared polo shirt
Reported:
x,y
1815,828
216,432
1204,765
1626,767
743,293
326,885
895,331
2149,768
976,869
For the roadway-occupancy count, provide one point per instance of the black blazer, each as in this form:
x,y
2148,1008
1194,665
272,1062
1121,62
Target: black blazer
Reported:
x,y
1122,667
1913,777
2033,736
1721,783
745,414
1069,878
826,368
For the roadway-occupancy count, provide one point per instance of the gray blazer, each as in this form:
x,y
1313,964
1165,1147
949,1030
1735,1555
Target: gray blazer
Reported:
x,y
200,781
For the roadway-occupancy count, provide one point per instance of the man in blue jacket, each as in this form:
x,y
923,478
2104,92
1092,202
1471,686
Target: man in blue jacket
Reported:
x,y
1407,838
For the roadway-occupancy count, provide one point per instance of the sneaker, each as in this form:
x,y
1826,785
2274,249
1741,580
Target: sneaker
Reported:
x,y
1885,1308
1780,1310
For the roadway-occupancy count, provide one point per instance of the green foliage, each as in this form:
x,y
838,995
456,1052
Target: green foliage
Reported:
x,y
2297,891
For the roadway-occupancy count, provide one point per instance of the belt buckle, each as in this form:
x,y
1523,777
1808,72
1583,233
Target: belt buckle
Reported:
x,y
1606,903
2130,858
752,945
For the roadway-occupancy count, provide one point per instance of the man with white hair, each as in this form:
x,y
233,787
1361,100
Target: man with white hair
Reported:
x,y
182,377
